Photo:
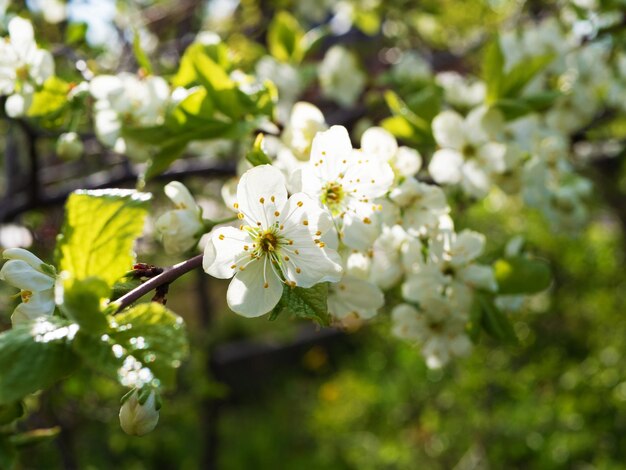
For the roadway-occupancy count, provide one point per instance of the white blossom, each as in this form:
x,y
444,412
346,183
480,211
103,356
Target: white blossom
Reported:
x,y
348,183
468,156
181,227
34,278
23,66
280,241
127,100
438,329
340,76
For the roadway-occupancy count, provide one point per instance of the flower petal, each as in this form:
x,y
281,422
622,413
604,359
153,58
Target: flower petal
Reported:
x,y
379,143
448,130
354,296
260,194
254,291
20,274
225,248
445,166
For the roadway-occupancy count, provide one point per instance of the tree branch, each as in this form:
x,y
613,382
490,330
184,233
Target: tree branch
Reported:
x,y
166,277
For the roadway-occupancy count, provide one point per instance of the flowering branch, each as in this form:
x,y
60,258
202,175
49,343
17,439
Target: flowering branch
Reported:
x,y
166,277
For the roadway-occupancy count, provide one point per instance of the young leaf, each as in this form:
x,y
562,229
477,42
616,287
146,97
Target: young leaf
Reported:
x,y
99,232
284,38
522,73
10,412
308,303
50,101
140,55
493,70
494,321
144,343
257,155
34,355
82,300
522,275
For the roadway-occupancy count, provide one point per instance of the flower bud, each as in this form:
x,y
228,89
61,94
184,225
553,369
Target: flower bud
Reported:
x,y
69,146
180,228
139,413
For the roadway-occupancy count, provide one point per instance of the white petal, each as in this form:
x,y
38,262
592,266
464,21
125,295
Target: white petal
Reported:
x,y
492,156
407,161
41,66
16,105
479,276
367,178
225,248
306,262
247,294
261,192
475,181
467,247
24,255
179,230
427,283
357,234
180,195
448,129
103,87
39,304
22,35
20,274
331,150
377,142
445,166
354,296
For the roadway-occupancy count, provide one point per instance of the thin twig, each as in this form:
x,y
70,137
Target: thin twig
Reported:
x,y
166,277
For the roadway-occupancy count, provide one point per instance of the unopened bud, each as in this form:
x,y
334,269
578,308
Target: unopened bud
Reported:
x,y
69,146
139,413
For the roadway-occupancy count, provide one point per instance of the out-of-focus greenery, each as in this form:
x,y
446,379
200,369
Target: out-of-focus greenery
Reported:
x,y
557,400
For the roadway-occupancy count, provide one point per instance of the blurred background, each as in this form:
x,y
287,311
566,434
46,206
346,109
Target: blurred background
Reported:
x,y
284,394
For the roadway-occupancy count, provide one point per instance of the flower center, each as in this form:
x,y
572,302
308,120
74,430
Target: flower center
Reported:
x,y
26,295
468,151
22,73
268,242
332,196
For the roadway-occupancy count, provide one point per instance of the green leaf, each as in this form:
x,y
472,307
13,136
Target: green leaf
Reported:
x,y
82,300
522,73
10,412
494,321
522,275
284,38
8,454
493,70
50,100
35,355
99,233
308,303
426,103
140,54
75,33
399,108
257,155
145,342
187,72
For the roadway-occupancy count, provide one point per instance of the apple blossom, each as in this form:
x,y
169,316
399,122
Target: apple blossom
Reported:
x,y
139,413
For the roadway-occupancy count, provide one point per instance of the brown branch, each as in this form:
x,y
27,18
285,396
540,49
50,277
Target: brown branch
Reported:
x,y
168,276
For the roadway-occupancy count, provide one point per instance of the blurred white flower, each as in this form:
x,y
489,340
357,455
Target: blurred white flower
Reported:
x,y
341,78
